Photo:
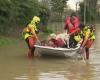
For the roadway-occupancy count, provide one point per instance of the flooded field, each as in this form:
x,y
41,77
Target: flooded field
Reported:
x,y
14,64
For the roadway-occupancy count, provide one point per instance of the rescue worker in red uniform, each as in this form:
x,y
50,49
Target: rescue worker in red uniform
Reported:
x,y
30,35
72,27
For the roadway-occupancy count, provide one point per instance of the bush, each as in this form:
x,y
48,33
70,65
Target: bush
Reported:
x,y
48,31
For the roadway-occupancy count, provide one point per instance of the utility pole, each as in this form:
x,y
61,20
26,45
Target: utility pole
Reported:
x,y
84,11
76,6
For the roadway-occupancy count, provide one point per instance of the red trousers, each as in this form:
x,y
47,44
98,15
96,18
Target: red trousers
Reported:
x,y
31,42
87,46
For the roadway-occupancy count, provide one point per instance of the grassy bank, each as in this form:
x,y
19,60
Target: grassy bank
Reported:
x,y
5,40
11,40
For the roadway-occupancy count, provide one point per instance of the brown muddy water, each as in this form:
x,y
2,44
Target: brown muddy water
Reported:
x,y
14,65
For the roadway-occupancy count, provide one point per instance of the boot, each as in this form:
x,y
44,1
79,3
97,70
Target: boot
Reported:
x,y
87,55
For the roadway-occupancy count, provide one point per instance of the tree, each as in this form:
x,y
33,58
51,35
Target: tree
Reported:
x,y
90,10
57,7
4,14
16,13
44,14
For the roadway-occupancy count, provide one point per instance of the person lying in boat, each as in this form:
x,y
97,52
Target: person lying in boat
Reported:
x,y
65,37
55,41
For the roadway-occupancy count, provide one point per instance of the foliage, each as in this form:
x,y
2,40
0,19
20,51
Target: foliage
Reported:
x,y
8,40
57,7
15,14
44,14
48,31
90,10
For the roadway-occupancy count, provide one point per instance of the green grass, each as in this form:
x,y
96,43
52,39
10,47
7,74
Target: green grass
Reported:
x,y
8,40
48,31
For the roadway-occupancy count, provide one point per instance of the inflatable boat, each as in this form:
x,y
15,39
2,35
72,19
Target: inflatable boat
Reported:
x,y
55,51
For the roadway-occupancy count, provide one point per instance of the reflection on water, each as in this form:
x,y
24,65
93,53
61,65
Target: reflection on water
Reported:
x,y
71,70
14,65
77,71
51,76
56,70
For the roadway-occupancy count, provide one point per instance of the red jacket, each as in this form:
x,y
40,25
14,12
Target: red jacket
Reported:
x,y
71,27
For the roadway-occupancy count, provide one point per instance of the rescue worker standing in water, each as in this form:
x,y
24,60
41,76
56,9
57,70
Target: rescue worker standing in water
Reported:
x,y
88,39
30,35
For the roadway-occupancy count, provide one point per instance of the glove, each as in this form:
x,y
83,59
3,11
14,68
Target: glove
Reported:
x,y
78,45
37,31
80,51
81,48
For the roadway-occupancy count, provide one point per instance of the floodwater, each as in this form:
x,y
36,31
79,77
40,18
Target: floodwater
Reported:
x,y
14,65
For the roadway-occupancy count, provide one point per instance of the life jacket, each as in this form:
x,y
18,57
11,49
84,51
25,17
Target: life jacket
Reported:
x,y
92,36
31,27
27,32
72,27
86,31
77,38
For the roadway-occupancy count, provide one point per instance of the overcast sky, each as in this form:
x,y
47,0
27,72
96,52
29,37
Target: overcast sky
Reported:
x,y
72,3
